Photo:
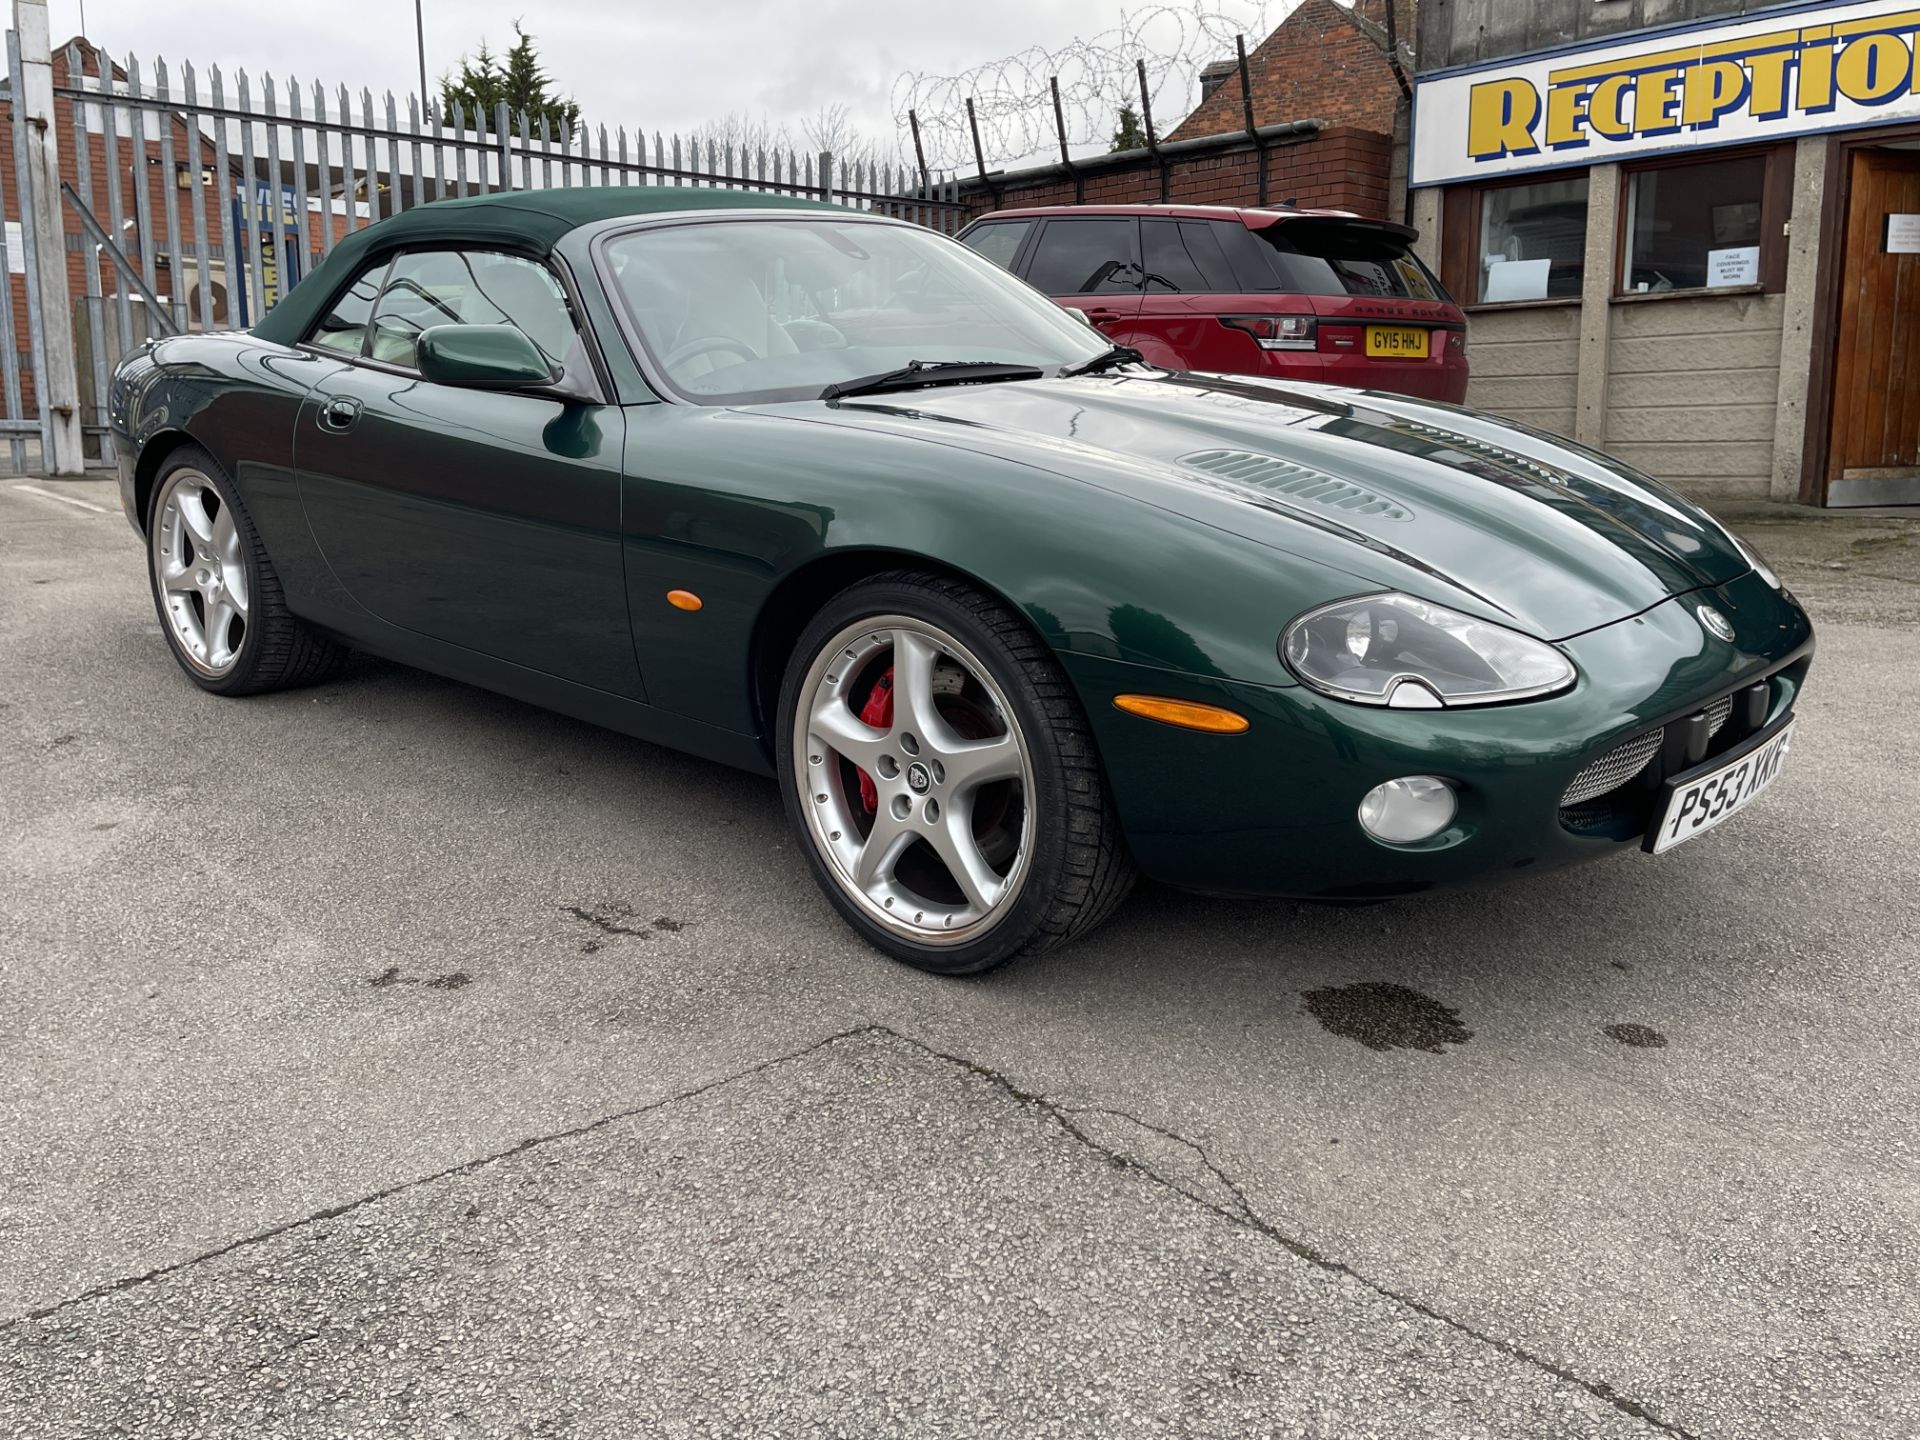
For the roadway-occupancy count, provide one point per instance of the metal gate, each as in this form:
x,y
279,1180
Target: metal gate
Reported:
x,y
197,201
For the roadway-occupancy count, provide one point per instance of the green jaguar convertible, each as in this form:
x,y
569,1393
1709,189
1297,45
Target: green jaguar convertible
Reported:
x,y
1011,615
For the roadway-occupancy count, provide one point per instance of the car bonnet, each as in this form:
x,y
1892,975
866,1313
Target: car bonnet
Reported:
x,y
1555,538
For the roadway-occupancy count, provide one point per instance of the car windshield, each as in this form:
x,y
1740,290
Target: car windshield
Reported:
x,y
753,311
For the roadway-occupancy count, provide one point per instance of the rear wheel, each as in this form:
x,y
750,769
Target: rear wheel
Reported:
x,y
217,594
942,779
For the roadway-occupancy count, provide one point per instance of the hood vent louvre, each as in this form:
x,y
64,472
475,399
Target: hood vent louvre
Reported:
x,y
1296,482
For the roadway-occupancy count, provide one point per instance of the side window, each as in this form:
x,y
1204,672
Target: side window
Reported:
x,y
344,327
468,287
1000,241
1087,257
1253,263
1182,256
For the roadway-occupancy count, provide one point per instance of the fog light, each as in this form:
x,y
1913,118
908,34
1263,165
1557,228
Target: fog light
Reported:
x,y
1408,810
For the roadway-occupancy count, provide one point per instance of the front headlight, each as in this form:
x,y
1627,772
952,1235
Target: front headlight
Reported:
x,y
1760,567
1394,650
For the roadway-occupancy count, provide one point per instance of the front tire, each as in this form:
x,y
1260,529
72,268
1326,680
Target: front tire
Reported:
x,y
216,592
942,778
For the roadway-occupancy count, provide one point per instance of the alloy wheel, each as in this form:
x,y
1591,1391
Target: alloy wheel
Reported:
x,y
915,780
198,569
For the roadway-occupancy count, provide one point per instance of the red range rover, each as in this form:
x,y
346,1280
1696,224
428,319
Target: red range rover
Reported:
x,y
1306,294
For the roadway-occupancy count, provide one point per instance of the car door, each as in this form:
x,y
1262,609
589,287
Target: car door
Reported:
x,y
482,518
1092,265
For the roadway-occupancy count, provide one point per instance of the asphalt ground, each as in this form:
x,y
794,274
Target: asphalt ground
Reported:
x,y
391,1058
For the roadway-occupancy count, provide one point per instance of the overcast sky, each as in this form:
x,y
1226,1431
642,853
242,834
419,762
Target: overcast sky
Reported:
x,y
671,66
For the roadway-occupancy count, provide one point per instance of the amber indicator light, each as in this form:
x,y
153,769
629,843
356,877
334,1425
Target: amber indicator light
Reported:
x,y
1187,714
684,600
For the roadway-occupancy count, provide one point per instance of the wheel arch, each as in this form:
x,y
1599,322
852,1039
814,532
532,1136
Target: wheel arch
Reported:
x,y
800,594
146,469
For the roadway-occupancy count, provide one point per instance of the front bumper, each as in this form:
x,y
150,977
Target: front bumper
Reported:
x,y
121,394
126,463
1273,811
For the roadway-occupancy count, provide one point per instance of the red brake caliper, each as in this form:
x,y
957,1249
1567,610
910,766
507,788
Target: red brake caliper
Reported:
x,y
877,712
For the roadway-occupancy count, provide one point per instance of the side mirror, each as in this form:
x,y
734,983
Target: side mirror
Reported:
x,y
482,357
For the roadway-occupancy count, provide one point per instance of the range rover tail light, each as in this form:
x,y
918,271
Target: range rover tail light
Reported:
x,y
1276,332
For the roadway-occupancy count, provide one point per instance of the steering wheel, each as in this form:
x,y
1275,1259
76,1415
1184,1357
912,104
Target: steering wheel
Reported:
x,y
708,345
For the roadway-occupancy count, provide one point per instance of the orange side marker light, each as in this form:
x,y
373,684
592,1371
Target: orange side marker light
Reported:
x,y
684,600
1186,714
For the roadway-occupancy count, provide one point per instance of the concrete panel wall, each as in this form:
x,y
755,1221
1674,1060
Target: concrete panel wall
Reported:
x,y
1693,391
1708,392
1523,364
1460,32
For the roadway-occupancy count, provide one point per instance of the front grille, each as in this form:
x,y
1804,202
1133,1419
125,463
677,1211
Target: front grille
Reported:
x,y
1614,769
1624,762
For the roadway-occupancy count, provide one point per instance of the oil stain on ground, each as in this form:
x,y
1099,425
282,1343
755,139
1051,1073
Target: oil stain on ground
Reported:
x,y
618,918
453,980
1385,1016
1644,1037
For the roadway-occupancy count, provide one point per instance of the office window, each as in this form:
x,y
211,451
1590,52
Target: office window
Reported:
x,y
1696,227
1531,242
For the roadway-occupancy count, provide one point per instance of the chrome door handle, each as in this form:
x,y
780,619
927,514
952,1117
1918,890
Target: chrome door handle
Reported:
x,y
339,414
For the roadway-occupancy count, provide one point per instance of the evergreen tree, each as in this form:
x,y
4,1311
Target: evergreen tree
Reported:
x,y
1131,135
486,79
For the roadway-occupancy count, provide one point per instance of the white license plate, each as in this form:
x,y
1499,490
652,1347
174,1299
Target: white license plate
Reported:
x,y
1703,802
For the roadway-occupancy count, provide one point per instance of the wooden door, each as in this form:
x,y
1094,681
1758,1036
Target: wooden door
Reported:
x,y
1875,440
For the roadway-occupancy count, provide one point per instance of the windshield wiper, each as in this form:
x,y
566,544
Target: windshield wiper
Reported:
x,y
1106,360
916,373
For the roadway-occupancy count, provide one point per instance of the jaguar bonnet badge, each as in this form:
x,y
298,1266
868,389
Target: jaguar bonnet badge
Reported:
x,y
1714,622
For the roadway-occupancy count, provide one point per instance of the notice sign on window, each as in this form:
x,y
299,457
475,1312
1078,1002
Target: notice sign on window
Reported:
x,y
1739,265
1903,235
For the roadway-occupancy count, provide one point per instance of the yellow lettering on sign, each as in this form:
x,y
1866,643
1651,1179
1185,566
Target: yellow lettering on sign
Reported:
x,y
1501,115
1603,109
1769,87
1787,75
1874,68
1653,102
1566,115
1875,24
1816,72
1711,90
1658,60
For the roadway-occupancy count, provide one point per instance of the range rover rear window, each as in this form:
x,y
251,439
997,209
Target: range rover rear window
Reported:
x,y
1334,257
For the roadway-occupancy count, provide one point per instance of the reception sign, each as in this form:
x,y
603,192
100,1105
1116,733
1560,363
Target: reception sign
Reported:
x,y
1788,72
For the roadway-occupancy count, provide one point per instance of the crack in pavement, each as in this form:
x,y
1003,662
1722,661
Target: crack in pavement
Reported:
x,y
1241,1212
1247,1216
465,1167
1226,1180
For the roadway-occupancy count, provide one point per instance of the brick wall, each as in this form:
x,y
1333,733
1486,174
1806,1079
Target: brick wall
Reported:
x,y
1321,64
1340,168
